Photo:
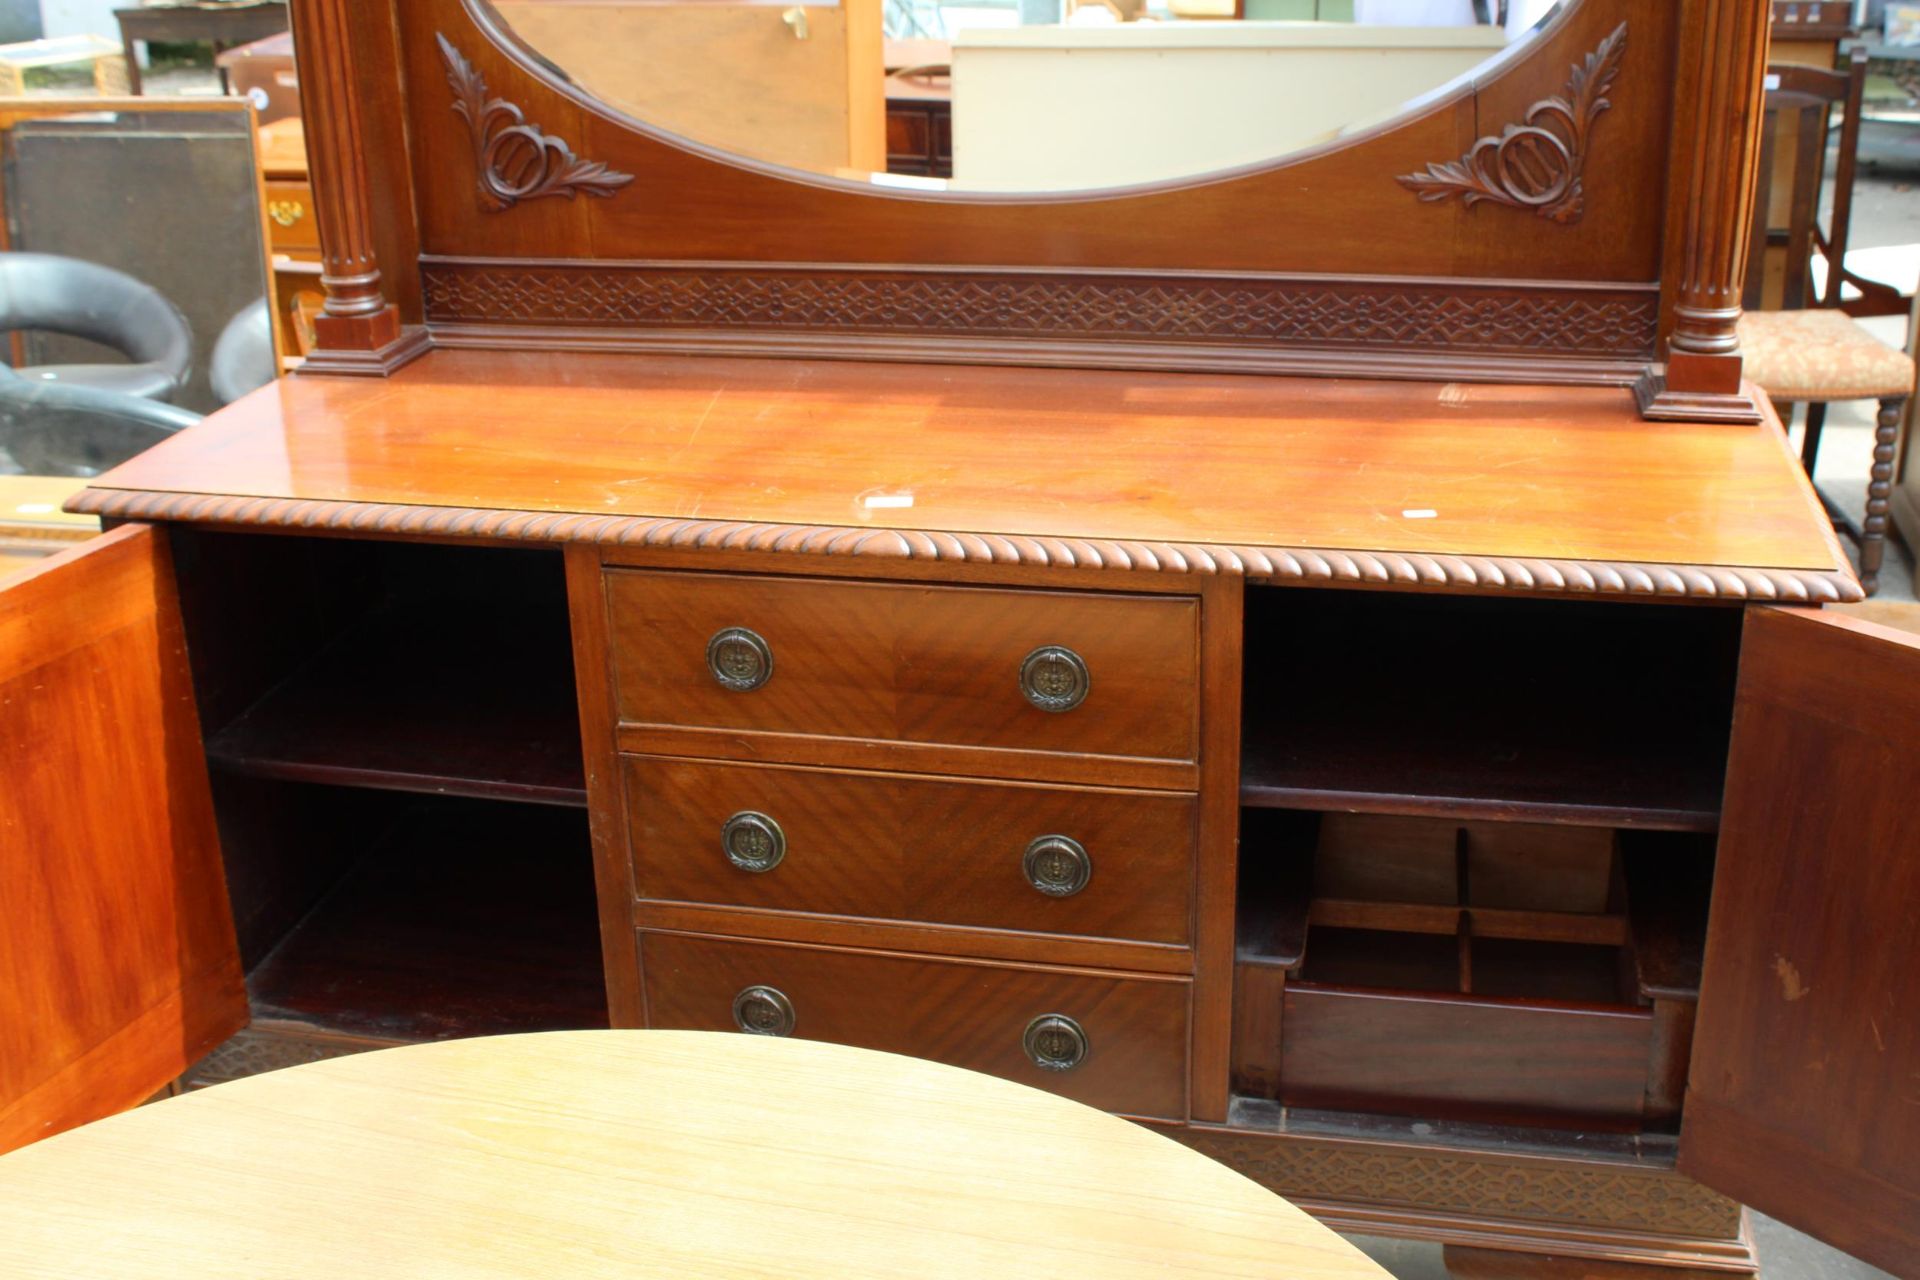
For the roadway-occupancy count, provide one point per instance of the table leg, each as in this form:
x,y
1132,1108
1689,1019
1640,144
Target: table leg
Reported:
x,y
129,44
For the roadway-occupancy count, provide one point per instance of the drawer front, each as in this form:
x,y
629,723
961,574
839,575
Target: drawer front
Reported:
x,y
1064,860
909,663
969,1015
290,224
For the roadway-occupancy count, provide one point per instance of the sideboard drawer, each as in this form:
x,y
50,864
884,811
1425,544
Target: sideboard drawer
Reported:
x,y
1115,1043
290,217
1056,671
1063,860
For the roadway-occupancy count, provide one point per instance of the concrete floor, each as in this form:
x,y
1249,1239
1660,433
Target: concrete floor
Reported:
x,y
1785,1254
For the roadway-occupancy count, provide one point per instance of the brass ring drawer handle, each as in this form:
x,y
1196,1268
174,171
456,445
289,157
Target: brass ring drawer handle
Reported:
x,y
1054,678
1055,1042
763,1011
1057,866
753,841
739,659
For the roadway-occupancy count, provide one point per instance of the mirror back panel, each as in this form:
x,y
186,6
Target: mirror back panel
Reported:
x,y
1525,224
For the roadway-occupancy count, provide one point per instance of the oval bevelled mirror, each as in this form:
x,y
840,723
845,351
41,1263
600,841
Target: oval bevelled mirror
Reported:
x,y
1019,95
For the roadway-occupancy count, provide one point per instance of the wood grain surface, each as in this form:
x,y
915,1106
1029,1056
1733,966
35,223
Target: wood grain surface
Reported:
x,y
461,919
933,850
1465,1057
961,1012
118,965
923,664
1332,209
638,1154
606,796
1401,469
1802,1099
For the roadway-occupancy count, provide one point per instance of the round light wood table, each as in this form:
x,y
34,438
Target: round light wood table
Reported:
x,y
639,1153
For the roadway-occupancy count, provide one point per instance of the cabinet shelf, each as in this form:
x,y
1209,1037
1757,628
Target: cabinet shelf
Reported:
x,y
1356,770
477,704
1482,709
464,919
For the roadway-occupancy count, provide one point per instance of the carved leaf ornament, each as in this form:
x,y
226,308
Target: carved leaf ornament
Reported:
x,y
516,160
1537,164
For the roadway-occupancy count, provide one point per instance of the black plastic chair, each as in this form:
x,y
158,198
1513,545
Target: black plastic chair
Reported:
x,y
243,358
41,291
57,429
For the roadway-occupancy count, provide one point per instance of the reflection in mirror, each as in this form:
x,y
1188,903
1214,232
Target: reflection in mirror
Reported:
x,y
114,311
1017,95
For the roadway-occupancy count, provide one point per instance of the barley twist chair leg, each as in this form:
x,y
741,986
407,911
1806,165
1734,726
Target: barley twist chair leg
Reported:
x,y
1873,530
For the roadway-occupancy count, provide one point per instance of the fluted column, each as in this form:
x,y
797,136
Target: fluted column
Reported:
x,y
358,329
1718,107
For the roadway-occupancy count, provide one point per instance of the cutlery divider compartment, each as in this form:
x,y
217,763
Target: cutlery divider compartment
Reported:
x,y
1493,972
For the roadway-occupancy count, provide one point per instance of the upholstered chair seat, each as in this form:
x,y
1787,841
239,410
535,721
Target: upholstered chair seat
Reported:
x,y
1820,355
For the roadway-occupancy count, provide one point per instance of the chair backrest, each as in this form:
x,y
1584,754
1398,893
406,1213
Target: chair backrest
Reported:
x,y
243,358
58,429
84,299
1800,102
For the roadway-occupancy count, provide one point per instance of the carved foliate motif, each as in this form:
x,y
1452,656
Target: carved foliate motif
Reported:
x,y
515,160
1536,164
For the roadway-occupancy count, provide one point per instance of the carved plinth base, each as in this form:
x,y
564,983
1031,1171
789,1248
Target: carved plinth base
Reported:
x,y
1660,401
1501,1264
1605,1216
376,362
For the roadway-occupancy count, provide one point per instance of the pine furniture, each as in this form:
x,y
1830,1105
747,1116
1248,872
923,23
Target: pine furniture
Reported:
x,y
32,525
102,57
293,241
637,1153
1272,696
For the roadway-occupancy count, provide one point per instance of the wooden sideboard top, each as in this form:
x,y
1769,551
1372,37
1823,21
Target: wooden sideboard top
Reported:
x,y
1491,487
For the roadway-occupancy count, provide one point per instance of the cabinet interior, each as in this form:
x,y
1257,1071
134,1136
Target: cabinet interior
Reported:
x,y
1473,879
394,744
1550,711
1473,884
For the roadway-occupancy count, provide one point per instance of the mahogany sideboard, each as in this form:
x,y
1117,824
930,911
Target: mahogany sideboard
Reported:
x,y
1322,658
1336,774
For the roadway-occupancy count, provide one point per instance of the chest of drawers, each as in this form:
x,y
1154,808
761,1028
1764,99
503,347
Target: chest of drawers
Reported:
x,y
862,810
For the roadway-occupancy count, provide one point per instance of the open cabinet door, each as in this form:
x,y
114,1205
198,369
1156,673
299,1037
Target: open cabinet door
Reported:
x,y
118,966
1803,1099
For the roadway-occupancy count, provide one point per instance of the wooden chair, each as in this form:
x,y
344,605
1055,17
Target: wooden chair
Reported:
x,y
1814,352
